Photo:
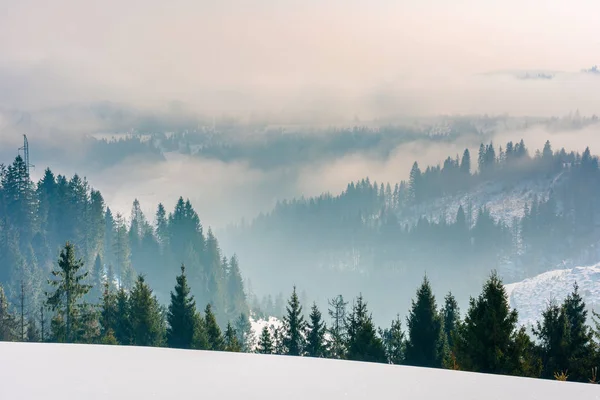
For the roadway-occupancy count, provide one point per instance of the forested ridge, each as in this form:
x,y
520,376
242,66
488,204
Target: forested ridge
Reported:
x,y
379,233
37,219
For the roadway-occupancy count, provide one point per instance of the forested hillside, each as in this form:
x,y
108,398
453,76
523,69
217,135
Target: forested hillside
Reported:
x,y
37,219
438,221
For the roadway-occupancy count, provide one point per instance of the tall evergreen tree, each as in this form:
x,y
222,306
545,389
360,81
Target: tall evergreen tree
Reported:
x,y
316,346
363,343
231,342
425,333
553,335
337,330
451,318
147,325
180,318
123,329
486,338
245,336
200,340
394,342
580,346
215,337
294,326
69,288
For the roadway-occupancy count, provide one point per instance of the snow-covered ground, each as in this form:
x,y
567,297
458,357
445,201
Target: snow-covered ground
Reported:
x,y
74,372
531,296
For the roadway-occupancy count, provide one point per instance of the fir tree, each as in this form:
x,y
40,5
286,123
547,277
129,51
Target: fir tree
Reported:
x,y
425,335
108,312
337,331
484,340
394,342
245,336
231,342
316,345
147,326
294,326
215,337
69,288
180,318
580,347
200,339
451,318
553,335
123,329
265,344
363,343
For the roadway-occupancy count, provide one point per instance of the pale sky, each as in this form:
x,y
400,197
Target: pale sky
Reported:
x,y
350,55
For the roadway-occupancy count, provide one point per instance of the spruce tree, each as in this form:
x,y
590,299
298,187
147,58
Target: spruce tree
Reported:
x,y
200,338
231,342
265,344
425,336
69,288
363,342
180,318
487,335
147,326
580,345
553,336
451,318
123,329
215,337
316,345
294,327
394,342
245,336
108,313
337,330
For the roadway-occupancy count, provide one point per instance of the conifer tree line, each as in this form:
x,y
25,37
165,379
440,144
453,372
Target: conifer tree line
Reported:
x,y
121,316
37,219
486,339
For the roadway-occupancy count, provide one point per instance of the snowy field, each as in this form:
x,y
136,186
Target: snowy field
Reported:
x,y
74,372
531,296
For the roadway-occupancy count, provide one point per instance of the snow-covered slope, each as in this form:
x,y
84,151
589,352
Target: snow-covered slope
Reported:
x,y
505,202
532,295
74,372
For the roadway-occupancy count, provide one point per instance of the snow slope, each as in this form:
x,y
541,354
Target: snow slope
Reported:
x,y
531,296
504,201
73,372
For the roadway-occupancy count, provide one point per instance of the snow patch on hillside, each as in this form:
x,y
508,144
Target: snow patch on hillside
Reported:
x,y
505,202
531,296
258,325
124,372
